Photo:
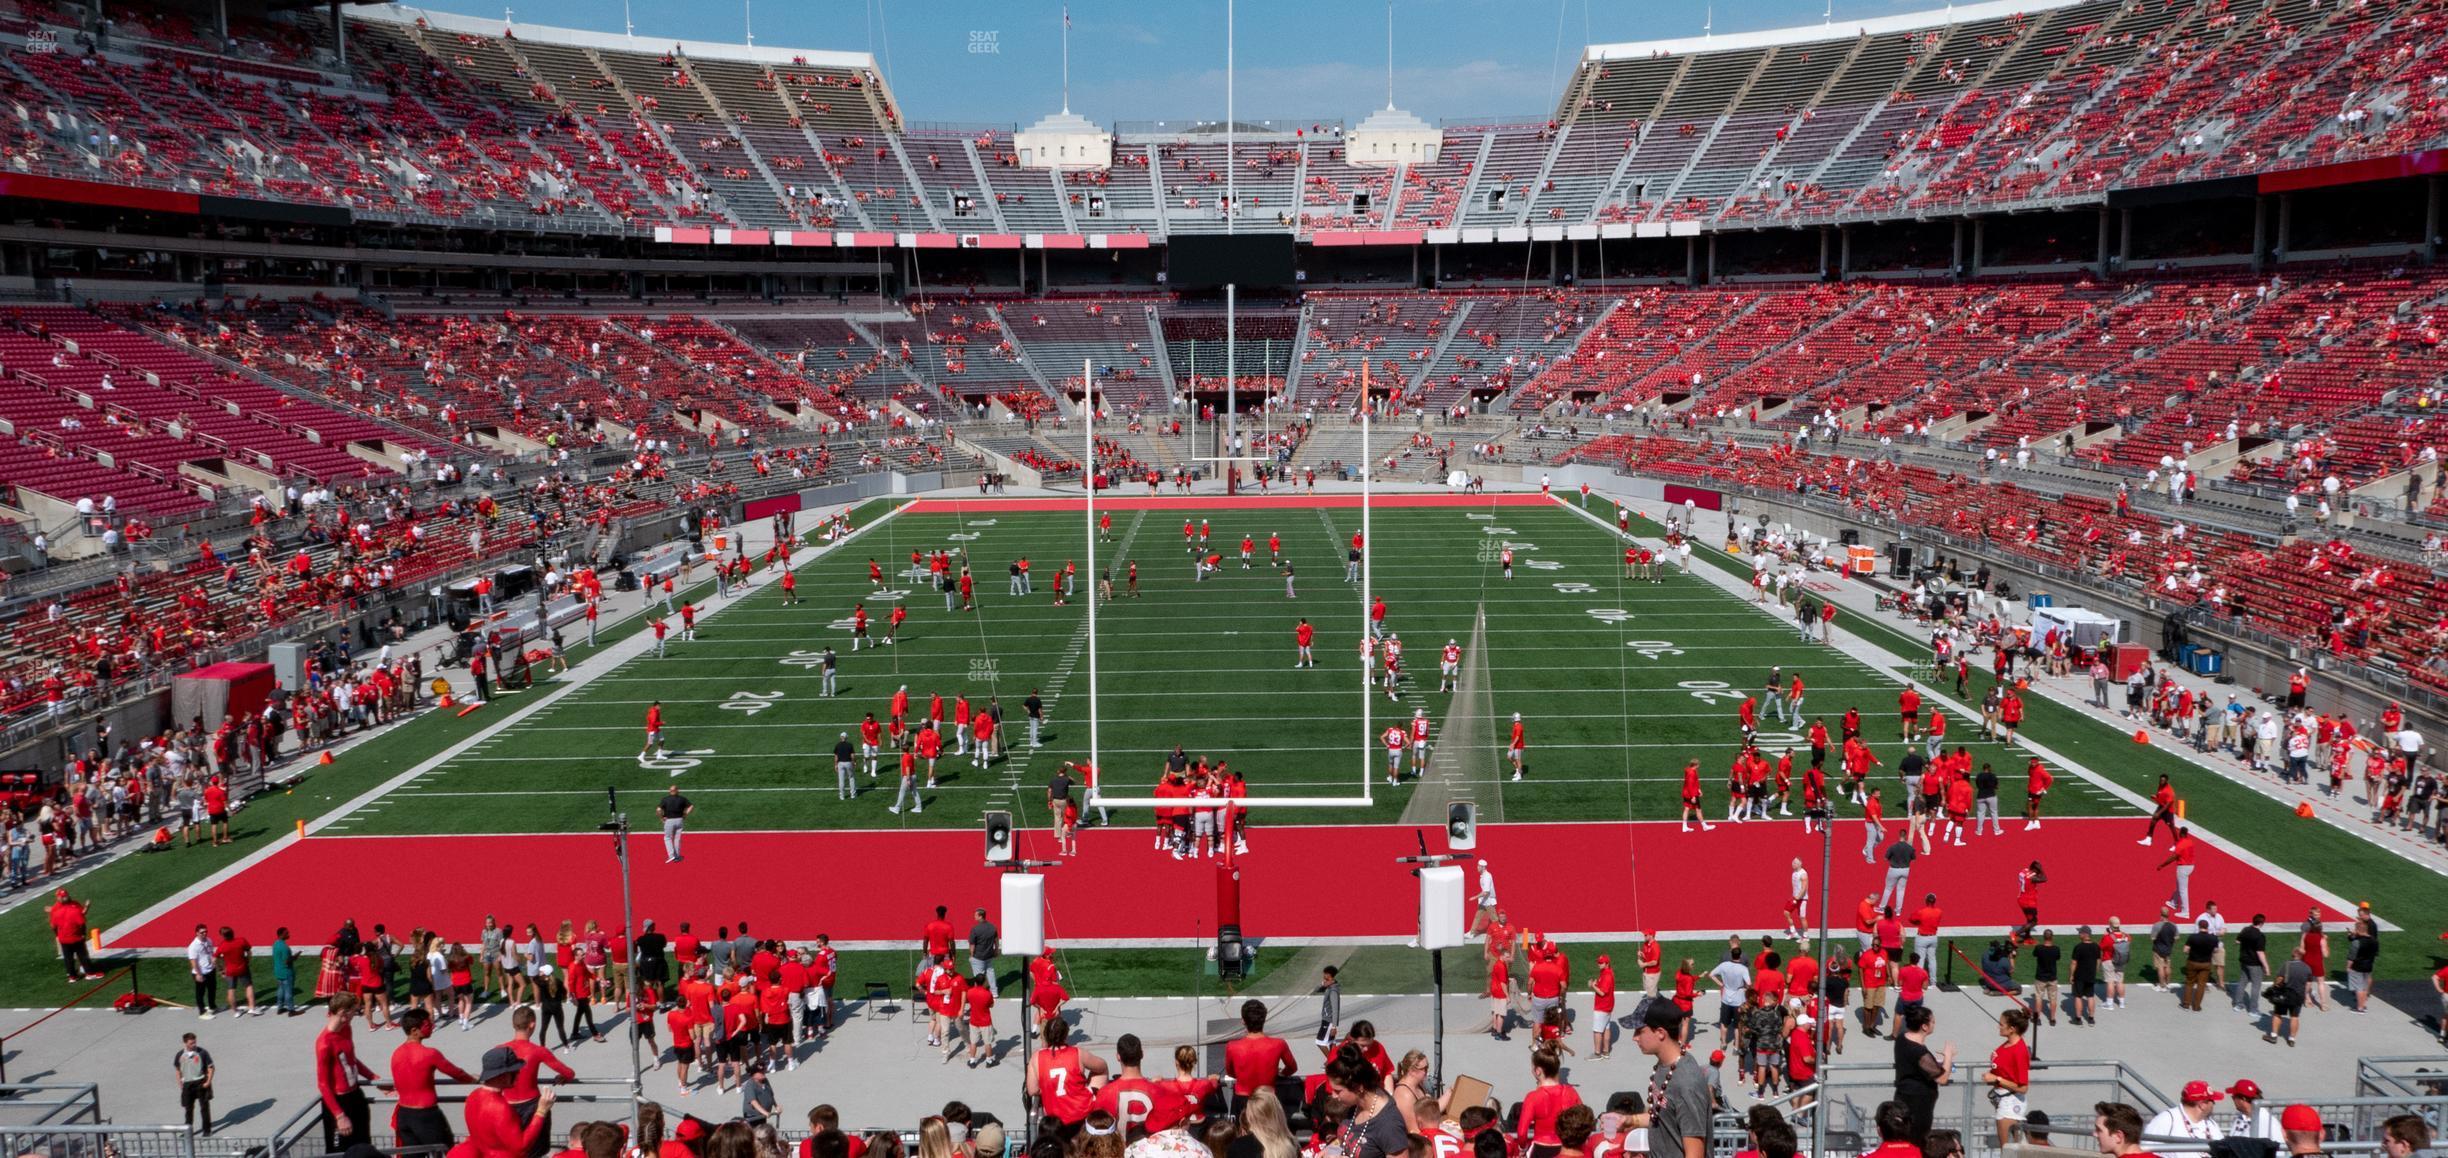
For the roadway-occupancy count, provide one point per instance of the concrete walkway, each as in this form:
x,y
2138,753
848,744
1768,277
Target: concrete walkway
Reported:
x,y
880,1072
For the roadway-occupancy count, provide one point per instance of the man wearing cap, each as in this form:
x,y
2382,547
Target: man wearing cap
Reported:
x,y
1679,1116
2193,1116
2249,1120
2302,1126
495,1129
67,918
1486,914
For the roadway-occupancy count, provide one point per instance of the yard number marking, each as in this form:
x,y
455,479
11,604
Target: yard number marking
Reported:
x,y
750,703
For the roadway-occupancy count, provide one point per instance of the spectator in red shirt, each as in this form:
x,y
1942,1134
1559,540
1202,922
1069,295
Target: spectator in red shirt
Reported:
x,y
338,1077
524,1095
937,936
1539,1108
419,1120
1255,1060
496,1128
68,928
237,968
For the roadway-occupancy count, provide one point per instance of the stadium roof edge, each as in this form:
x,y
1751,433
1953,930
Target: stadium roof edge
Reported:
x,y
699,49
1820,33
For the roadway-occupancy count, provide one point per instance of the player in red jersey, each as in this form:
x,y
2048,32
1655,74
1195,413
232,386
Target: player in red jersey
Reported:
x,y
858,627
1814,799
1393,667
875,573
1275,548
1958,809
790,589
2037,779
1249,547
1691,799
1062,1075
2163,810
1516,748
892,623
1189,537
1908,711
654,733
871,742
1303,636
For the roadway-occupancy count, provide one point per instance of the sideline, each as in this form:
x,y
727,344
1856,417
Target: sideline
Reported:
x,y
1861,649
594,667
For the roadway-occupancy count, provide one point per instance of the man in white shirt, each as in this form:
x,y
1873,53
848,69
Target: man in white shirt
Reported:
x,y
1487,901
205,963
2249,1120
2194,1116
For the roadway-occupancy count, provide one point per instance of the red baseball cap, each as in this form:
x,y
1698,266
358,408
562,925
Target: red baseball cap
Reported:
x,y
2198,1091
2245,1088
2300,1117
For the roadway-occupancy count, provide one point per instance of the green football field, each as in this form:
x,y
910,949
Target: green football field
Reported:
x,y
1618,682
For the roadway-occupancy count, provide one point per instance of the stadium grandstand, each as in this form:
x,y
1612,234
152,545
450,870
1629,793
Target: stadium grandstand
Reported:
x,y
454,470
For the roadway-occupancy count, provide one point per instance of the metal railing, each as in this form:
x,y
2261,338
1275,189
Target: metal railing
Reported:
x,y
100,1141
34,1104
301,1136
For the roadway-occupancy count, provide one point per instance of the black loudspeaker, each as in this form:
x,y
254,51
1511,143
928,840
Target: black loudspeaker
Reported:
x,y
1232,955
1461,826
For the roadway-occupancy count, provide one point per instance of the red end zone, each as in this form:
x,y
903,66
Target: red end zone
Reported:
x,y
1242,501
1297,882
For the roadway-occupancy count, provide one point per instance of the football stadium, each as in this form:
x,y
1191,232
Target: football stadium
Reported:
x,y
1855,580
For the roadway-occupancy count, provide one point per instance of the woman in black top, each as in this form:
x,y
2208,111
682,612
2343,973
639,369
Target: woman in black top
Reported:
x,y
1919,1072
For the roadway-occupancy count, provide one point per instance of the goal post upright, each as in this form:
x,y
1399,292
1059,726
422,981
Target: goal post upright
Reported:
x,y
1097,796
1088,481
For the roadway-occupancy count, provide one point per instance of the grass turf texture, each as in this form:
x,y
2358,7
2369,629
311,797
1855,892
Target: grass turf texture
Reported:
x,y
1584,693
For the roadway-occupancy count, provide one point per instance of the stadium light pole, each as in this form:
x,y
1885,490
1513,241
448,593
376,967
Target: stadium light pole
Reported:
x,y
618,826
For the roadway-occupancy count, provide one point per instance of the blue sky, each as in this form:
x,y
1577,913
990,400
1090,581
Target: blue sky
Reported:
x,y
1164,60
